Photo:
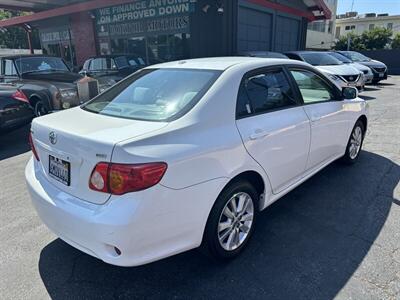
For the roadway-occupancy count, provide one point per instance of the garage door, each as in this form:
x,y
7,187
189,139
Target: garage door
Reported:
x,y
254,30
287,34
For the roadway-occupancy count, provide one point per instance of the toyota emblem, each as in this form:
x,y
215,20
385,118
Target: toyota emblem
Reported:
x,y
53,137
351,78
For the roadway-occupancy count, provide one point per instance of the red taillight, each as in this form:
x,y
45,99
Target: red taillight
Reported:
x,y
20,96
33,147
119,179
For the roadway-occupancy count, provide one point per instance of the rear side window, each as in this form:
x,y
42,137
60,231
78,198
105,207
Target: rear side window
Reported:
x,y
154,94
264,92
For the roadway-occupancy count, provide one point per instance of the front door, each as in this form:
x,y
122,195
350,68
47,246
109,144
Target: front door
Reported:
x,y
325,109
274,126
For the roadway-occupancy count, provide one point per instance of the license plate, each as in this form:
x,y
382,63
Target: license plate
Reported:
x,y
59,170
352,84
381,74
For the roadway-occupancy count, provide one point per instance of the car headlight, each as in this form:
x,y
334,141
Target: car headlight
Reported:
x,y
69,94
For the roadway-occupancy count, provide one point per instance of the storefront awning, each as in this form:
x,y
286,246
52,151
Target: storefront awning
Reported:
x,y
317,9
45,9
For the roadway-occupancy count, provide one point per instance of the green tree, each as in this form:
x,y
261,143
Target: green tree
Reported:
x,y
355,42
376,38
396,42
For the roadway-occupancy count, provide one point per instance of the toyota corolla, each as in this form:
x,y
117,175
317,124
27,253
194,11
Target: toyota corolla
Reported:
x,y
186,154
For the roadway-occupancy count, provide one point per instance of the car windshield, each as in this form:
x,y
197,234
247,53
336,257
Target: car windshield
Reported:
x,y
40,64
340,57
320,59
355,56
154,94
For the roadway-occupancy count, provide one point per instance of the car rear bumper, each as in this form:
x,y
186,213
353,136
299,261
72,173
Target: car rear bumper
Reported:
x,y
145,226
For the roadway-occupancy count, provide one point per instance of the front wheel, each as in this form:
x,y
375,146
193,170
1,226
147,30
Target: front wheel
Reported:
x,y
40,109
355,143
231,221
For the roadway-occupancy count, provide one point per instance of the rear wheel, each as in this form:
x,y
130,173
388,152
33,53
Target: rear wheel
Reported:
x,y
231,221
355,143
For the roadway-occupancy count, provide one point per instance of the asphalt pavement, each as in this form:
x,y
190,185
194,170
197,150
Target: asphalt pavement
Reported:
x,y
337,235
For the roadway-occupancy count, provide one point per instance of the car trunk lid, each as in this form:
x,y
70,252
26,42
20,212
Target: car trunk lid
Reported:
x,y
77,140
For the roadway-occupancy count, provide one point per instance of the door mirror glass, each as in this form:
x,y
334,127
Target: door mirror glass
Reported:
x,y
349,93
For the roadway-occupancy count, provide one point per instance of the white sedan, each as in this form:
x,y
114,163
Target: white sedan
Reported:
x,y
186,154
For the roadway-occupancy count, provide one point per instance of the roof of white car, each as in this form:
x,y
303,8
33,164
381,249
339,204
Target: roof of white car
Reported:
x,y
222,63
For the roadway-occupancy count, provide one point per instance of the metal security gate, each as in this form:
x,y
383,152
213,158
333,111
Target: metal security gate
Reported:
x,y
287,34
261,29
254,30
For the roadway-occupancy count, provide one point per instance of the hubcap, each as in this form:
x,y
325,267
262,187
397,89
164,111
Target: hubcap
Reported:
x,y
355,142
235,221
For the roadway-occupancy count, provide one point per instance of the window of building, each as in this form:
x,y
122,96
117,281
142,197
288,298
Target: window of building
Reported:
x,y
371,26
317,26
350,27
264,92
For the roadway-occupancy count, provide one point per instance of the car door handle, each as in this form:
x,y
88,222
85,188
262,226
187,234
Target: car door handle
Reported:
x,y
258,134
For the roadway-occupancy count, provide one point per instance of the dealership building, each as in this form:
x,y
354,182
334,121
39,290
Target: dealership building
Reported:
x,y
164,30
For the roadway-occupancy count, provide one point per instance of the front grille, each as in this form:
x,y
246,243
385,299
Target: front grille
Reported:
x,y
380,70
351,78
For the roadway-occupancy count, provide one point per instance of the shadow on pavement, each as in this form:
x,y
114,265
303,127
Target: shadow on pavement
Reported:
x,y
14,142
367,98
306,246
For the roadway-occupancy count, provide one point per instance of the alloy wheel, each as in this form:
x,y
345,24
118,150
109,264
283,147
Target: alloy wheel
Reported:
x,y
355,142
235,221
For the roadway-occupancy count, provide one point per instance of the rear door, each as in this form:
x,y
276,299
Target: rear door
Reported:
x,y
273,125
325,109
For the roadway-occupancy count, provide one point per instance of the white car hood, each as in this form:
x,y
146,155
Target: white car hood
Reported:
x,y
338,69
359,67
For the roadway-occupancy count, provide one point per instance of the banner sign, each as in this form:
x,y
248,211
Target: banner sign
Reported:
x,y
142,10
162,25
55,36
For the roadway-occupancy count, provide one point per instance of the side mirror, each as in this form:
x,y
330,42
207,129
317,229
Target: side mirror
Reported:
x,y
349,93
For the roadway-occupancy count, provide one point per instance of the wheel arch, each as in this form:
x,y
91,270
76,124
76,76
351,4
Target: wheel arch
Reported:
x,y
256,179
364,120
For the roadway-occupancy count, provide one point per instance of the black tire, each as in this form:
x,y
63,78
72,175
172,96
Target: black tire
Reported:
x,y
349,157
40,108
211,245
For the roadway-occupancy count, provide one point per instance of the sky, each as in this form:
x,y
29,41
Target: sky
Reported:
x,y
370,6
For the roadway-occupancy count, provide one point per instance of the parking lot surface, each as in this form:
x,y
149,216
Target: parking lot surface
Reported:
x,y
337,235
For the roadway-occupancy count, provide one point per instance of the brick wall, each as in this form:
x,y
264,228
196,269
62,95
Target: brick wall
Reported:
x,y
83,36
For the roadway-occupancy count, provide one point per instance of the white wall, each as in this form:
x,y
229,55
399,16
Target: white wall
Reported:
x,y
362,24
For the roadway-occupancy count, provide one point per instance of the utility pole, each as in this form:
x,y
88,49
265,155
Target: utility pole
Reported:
x,y
348,42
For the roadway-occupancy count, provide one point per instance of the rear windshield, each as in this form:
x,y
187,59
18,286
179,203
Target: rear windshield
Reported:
x,y
154,94
320,59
